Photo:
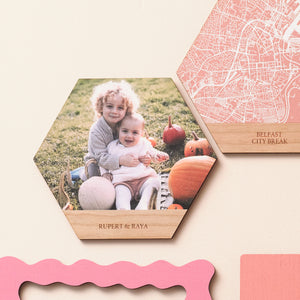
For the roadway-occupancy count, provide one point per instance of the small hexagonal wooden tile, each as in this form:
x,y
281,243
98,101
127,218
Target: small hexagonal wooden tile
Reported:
x,y
125,158
243,75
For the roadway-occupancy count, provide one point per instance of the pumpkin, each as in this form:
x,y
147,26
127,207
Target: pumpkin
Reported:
x,y
175,206
186,177
173,134
150,139
197,146
70,207
96,193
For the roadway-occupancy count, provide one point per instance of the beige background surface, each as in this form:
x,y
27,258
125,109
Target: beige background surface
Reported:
x,y
250,203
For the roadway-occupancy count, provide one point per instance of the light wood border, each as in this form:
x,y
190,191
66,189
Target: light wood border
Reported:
x,y
114,224
253,138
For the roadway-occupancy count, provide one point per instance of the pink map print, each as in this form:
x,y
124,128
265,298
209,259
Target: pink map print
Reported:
x,y
244,66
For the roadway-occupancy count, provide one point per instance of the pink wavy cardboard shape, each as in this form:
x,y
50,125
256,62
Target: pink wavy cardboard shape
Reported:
x,y
194,277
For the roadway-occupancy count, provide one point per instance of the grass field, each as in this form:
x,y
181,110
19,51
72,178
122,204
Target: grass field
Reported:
x,y
67,139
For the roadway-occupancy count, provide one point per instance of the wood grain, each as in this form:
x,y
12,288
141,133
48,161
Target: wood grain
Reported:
x,y
112,224
256,138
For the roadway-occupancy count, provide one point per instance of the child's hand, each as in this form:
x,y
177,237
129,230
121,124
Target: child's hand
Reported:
x,y
108,176
129,160
162,156
145,159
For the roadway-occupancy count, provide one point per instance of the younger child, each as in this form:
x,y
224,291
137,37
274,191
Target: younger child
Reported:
x,y
111,100
134,182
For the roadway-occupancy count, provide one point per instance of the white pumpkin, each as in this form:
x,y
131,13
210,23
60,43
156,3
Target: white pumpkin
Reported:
x,y
96,193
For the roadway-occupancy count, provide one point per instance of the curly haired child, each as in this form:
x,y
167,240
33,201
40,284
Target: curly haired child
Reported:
x,y
111,101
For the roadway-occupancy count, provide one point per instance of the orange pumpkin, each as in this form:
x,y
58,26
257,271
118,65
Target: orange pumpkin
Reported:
x,y
187,176
197,146
150,139
175,206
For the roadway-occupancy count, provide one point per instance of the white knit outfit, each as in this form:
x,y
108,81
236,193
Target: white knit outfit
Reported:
x,y
125,174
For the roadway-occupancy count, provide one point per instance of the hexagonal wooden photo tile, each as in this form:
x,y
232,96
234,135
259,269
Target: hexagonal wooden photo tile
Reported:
x,y
243,75
125,158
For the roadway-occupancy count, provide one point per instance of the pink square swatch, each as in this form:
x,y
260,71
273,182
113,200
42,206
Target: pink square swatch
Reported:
x,y
270,277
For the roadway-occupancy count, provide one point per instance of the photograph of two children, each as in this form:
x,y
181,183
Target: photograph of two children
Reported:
x,y
114,143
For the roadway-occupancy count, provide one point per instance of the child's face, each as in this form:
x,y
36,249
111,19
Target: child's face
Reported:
x,y
114,110
130,132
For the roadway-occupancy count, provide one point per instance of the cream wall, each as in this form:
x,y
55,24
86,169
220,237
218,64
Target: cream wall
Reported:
x,y
249,204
